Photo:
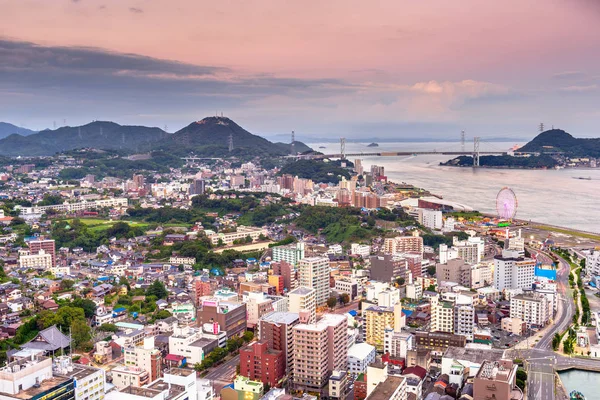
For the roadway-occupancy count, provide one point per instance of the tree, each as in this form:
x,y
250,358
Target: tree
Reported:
x,y
400,281
431,288
248,336
66,284
163,314
344,298
88,306
521,374
332,302
80,332
108,328
157,288
431,270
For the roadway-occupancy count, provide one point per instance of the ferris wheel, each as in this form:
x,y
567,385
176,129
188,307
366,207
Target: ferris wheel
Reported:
x,y
506,203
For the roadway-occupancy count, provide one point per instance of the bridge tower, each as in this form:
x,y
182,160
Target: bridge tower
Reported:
x,y
292,150
476,151
343,148
462,141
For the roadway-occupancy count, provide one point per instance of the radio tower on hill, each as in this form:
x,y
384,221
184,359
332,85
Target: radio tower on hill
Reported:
x,y
292,149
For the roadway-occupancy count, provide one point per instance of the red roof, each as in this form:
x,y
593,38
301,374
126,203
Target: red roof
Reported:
x,y
174,357
416,370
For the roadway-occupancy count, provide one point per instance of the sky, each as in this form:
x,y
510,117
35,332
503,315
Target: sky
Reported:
x,y
324,68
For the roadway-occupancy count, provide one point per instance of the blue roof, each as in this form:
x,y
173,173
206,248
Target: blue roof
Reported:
x,y
406,312
119,309
353,313
592,284
103,278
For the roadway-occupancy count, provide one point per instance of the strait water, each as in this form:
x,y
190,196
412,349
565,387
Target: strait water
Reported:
x,y
548,196
584,381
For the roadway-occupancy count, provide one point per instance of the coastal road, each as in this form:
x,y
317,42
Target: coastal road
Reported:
x,y
540,379
223,374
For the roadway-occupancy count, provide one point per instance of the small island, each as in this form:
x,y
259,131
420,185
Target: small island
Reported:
x,y
373,145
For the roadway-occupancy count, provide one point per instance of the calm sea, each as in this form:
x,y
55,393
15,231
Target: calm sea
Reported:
x,y
548,196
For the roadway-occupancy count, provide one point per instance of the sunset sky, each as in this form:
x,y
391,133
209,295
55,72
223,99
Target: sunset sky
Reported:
x,y
395,68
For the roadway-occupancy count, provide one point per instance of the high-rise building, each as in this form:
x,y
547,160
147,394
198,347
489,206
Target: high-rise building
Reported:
x,y
259,362
431,219
455,270
516,243
291,253
319,349
513,271
286,181
49,247
313,272
464,317
288,272
471,250
257,305
378,319
388,267
198,186
377,171
442,315
276,329
138,181
303,301
358,168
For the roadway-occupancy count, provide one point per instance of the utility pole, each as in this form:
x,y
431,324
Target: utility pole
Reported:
x,y
292,149
541,127
476,152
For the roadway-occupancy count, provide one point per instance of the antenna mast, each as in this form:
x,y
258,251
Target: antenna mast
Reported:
x,y
542,127
292,150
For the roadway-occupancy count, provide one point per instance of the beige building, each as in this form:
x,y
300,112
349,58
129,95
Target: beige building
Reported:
x,y
319,349
378,319
455,270
124,376
40,260
304,300
533,309
403,244
240,234
442,315
313,272
516,326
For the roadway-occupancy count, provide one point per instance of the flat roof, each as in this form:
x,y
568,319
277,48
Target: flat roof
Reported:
x,y
473,355
302,290
281,317
386,389
45,385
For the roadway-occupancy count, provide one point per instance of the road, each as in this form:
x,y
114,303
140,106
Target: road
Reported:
x,y
223,374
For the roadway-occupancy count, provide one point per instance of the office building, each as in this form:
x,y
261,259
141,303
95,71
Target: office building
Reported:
x,y
497,380
291,253
288,273
397,344
438,341
47,245
89,382
138,181
230,316
198,186
319,349
513,271
455,270
442,315
313,272
362,250
261,363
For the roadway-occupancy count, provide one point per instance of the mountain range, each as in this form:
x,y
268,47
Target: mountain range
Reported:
x,y
7,129
208,137
557,140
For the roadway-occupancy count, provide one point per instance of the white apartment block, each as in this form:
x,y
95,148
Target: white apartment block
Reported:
x,y
180,260
464,317
592,263
181,344
362,250
512,271
431,219
534,310
481,275
80,206
442,315
360,355
397,344
471,250
291,253
240,234
313,272
35,261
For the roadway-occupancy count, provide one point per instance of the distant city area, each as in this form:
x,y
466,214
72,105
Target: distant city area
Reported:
x,y
267,277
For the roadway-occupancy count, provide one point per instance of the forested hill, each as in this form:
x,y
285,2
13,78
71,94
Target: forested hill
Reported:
x,y
557,140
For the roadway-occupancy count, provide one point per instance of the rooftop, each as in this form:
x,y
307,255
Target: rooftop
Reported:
x,y
386,389
302,291
44,386
473,355
281,317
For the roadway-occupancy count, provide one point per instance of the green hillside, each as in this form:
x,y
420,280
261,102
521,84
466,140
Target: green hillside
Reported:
x,y
557,140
